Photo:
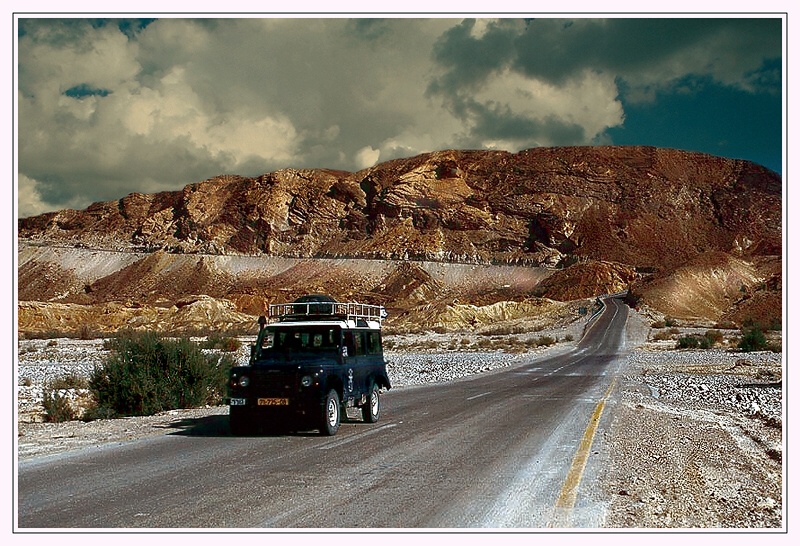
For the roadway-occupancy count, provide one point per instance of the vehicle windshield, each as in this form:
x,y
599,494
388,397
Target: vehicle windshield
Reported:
x,y
301,339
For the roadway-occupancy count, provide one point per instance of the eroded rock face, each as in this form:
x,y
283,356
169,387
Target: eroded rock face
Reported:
x,y
640,206
681,229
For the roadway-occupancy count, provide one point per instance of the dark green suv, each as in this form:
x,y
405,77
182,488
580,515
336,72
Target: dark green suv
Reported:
x,y
314,358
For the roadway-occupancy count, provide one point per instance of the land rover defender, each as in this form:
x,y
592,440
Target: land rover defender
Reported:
x,y
313,358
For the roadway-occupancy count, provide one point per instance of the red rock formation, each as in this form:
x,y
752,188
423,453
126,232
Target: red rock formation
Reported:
x,y
641,206
594,215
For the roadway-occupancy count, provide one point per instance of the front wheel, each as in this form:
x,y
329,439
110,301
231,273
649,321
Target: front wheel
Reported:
x,y
241,422
331,414
371,411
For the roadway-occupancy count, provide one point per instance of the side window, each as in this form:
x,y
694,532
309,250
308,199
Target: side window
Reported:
x,y
374,342
267,340
359,339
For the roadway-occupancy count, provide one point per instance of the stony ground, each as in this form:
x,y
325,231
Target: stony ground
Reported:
x,y
695,438
696,442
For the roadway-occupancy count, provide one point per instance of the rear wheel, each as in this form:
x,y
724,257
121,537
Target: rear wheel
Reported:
x,y
371,411
331,414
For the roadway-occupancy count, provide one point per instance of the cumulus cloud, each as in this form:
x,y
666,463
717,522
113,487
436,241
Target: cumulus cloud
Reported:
x,y
30,201
108,107
367,157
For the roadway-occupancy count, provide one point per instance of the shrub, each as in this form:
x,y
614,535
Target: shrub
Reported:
x,y
145,374
714,336
662,336
775,346
68,381
57,407
85,332
543,341
753,339
56,401
223,343
669,321
503,330
694,342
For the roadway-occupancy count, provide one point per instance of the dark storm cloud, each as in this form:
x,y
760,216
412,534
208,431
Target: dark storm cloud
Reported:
x,y
644,57
735,51
732,50
468,60
498,122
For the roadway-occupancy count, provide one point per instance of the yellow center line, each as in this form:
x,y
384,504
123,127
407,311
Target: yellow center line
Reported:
x,y
569,491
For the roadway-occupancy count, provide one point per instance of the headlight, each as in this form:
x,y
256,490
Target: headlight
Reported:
x,y
243,381
306,380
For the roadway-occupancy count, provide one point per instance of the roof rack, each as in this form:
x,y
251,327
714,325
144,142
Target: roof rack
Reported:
x,y
326,310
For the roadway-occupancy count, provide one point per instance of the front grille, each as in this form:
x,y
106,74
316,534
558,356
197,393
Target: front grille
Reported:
x,y
272,382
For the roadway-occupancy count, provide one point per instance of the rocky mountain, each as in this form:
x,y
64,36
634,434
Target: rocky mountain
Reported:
x,y
554,223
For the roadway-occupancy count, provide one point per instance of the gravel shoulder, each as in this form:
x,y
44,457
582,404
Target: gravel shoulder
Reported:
x,y
694,438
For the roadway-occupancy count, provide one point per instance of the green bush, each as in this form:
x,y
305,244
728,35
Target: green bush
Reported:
x,y
694,342
753,339
145,374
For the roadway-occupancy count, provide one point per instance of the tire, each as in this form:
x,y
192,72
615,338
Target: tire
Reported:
x,y
240,422
371,411
331,414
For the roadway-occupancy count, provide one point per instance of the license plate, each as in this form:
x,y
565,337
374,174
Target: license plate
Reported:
x,y
238,401
273,401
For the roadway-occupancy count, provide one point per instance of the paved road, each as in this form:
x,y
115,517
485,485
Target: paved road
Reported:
x,y
518,448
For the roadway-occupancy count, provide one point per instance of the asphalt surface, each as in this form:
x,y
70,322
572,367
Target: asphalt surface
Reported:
x,y
512,449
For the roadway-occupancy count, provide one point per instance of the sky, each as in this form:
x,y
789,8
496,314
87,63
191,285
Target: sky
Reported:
x,y
107,107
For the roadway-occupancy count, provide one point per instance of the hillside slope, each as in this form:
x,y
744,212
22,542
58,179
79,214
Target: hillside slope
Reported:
x,y
573,223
